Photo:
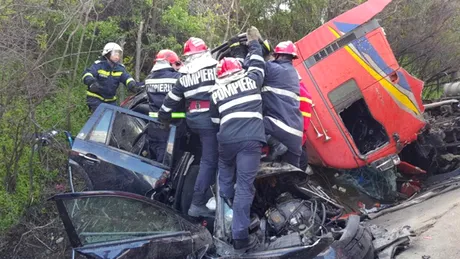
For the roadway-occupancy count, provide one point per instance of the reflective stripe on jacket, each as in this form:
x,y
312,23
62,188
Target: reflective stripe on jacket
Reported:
x,y
280,94
236,103
109,77
158,84
198,77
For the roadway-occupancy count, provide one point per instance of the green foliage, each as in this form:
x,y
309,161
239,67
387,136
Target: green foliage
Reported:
x,y
50,114
180,21
285,20
432,92
101,32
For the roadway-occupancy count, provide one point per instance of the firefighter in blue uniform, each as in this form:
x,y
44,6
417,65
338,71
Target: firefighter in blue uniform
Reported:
x,y
104,77
236,108
198,76
158,84
280,94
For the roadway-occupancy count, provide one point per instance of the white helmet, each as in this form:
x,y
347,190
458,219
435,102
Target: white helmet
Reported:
x,y
111,46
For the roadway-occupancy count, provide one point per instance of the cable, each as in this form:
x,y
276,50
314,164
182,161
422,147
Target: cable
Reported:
x,y
324,214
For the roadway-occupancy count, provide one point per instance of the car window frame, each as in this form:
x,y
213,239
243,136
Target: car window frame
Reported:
x,y
110,135
73,235
131,240
141,158
100,111
93,127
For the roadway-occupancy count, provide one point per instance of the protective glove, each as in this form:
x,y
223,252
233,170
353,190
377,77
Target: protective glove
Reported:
x,y
237,50
95,88
253,34
135,87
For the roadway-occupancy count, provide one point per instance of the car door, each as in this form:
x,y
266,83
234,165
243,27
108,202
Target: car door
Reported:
x,y
106,225
112,150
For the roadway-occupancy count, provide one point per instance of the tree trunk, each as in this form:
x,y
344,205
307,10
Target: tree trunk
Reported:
x,y
227,30
138,51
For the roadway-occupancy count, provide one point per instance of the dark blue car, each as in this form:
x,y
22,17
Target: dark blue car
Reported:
x,y
135,207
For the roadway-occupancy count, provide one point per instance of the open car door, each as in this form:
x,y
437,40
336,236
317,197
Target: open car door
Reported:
x,y
108,225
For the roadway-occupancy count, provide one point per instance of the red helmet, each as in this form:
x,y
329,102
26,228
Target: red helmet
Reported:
x,y
286,47
194,46
228,66
168,55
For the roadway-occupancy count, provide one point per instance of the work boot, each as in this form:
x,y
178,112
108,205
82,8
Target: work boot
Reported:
x,y
200,211
277,149
241,246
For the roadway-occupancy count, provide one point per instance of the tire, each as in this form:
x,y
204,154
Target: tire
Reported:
x,y
81,180
187,189
356,241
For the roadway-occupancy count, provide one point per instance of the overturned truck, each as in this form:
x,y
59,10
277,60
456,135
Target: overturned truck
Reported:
x,y
368,115
368,110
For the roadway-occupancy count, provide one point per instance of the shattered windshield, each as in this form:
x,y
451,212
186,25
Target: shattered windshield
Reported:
x,y
101,219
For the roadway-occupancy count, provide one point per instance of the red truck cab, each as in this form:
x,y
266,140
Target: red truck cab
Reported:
x,y
366,107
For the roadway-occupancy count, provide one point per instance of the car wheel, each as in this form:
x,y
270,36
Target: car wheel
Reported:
x,y
80,180
356,241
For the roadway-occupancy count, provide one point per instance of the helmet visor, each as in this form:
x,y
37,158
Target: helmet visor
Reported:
x,y
116,56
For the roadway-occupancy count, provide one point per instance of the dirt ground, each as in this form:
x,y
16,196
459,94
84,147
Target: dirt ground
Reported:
x,y
39,233
436,223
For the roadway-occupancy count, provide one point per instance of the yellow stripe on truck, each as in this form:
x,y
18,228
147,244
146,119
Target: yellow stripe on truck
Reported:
x,y
393,90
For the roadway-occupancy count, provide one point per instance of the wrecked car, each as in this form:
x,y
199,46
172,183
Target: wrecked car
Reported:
x,y
138,205
106,224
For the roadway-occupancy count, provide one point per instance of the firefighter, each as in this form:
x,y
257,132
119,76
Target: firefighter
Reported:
x,y
236,108
198,76
306,110
104,76
158,84
280,93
